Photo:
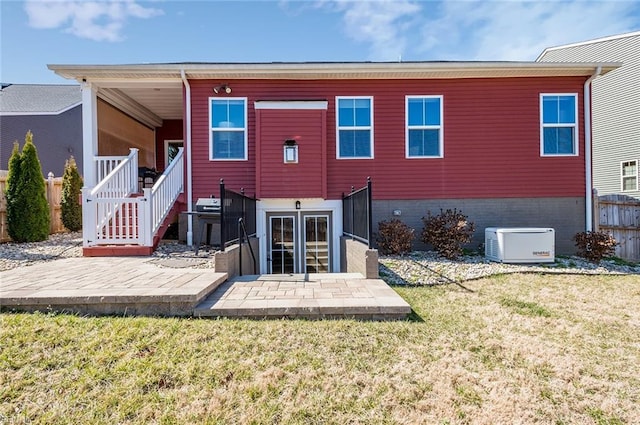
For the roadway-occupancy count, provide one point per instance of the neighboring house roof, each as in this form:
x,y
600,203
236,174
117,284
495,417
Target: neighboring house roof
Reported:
x,y
603,40
38,99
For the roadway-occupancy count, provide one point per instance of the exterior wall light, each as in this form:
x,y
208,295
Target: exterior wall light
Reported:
x,y
290,151
297,205
222,88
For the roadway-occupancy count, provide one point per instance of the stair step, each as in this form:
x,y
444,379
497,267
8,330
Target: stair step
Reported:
x,y
117,251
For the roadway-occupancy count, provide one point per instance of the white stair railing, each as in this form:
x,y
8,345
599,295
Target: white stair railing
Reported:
x,y
109,214
163,194
112,217
105,165
122,181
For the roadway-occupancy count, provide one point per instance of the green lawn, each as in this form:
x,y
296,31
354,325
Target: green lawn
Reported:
x,y
518,349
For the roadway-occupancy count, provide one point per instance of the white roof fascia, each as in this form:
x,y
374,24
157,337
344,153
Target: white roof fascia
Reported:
x,y
291,104
150,73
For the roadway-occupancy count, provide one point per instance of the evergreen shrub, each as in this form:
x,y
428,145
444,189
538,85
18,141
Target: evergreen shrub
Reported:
x,y
28,218
71,189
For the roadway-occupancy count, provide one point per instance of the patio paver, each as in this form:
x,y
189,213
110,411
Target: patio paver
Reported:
x,y
314,296
138,286
106,285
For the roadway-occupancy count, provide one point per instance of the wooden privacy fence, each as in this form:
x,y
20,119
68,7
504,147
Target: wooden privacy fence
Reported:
x,y
54,196
619,215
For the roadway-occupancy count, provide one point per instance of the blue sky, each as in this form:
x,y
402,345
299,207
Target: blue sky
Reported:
x,y
36,33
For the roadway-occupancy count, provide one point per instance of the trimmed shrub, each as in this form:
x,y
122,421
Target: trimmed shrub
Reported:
x,y
594,246
447,232
394,237
71,188
27,206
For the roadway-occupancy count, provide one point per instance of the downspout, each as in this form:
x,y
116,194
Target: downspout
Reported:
x,y
188,141
587,151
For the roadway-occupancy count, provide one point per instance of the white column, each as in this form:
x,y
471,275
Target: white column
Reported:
x,y
89,133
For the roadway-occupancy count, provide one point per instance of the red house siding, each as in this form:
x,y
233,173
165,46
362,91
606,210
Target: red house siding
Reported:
x,y
305,179
206,174
491,139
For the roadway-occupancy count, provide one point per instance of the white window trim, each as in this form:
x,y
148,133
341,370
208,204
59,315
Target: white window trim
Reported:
x,y
338,128
423,127
245,129
622,176
291,104
576,144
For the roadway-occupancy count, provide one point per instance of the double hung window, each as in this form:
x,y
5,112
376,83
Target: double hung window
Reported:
x,y
228,135
354,116
424,137
558,124
629,176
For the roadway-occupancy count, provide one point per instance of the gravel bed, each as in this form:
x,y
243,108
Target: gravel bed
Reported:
x,y
427,268
417,268
60,245
174,254
66,245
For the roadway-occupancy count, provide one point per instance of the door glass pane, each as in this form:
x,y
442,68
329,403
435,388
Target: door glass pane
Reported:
x,y
316,244
276,233
173,151
276,258
282,245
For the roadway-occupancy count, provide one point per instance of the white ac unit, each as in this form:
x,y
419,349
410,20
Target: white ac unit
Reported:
x,y
520,244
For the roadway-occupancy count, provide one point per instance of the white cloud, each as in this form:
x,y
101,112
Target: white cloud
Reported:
x,y
385,24
95,20
478,30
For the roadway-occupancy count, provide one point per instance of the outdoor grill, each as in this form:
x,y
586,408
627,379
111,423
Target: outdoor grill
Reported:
x,y
208,213
208,205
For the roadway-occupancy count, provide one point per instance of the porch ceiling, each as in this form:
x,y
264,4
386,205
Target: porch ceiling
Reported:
x,y
165,102
154,101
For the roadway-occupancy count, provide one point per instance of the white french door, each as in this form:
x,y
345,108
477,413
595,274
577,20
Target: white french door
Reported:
x,y
298,242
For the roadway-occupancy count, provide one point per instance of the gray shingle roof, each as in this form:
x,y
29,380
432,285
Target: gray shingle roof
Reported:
x,y
38,98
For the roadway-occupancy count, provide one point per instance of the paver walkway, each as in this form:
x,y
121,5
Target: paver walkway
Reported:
x,y
310,296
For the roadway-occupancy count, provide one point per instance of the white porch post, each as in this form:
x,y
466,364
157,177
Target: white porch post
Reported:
x,y
89,133
89,151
